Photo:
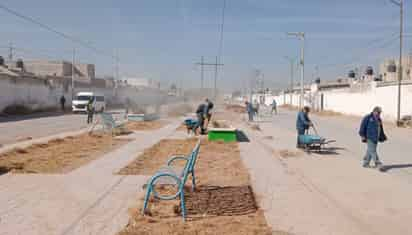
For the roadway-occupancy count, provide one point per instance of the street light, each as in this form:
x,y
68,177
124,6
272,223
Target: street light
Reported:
x,y
292,63
400,70
301,36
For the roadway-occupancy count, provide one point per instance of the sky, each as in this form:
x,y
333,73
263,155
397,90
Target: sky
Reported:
x,y
163,39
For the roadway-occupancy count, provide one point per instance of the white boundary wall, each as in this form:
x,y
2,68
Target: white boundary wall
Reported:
x,y
37,94
357,102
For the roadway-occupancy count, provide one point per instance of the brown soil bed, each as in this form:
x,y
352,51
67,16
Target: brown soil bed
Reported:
x,y
223,202
58,155
182,127
156,156
144,125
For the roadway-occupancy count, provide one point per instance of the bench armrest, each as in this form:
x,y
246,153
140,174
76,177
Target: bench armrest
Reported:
x,y
175,158
168,175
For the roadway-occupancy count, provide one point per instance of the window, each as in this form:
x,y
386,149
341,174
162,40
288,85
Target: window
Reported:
x,y
100,98
83,97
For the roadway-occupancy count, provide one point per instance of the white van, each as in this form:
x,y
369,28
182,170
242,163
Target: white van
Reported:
x,y
81,100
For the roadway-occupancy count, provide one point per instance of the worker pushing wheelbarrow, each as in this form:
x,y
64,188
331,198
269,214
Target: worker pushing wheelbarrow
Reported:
x,y
309,142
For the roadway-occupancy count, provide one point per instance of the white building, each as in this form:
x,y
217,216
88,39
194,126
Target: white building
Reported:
x,y
142,82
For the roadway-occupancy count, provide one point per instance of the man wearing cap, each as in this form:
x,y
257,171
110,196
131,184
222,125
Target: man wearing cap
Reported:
x,y
371,133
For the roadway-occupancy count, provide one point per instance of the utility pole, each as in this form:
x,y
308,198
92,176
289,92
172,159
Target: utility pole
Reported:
x,y
117,64
400,68
216,64
73,71
215,83
11,53
202,61
292,68
301,36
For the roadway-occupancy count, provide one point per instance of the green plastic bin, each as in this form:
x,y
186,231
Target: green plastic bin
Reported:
x,y
225,134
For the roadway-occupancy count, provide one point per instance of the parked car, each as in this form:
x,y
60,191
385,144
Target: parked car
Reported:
x,y
81,100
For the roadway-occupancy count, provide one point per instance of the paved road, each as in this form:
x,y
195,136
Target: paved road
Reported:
x,y
396,153
22,130
329,194
89,200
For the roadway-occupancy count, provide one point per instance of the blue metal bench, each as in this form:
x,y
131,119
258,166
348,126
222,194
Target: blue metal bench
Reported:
x,y
179,178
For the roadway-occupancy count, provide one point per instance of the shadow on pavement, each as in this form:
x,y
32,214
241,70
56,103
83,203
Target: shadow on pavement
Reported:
x,y
329,151
386,168
241,136
13,118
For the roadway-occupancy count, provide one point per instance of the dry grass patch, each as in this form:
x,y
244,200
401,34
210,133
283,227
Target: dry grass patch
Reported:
x,y
223,203
220,124
144,125
58,155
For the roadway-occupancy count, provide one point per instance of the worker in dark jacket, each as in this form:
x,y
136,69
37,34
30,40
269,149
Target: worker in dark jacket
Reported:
x,y
201,113
62,102
303,123
90,111
371,132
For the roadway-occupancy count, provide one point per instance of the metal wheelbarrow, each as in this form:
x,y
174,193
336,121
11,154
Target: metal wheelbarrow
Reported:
x,y
314,142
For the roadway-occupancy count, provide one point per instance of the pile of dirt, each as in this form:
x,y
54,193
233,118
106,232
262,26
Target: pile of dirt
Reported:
x,y
220,124
235,108
144,125
286,153
406,121
223,202
58,155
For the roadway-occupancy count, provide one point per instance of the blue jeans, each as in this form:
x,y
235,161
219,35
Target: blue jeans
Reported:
x,y
300,132
371,153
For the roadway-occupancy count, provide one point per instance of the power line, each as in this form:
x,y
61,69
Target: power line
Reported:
x,y
49,28
355,58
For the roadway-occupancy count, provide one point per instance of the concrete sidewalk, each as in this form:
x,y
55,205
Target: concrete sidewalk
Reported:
x,y
321,194
88,200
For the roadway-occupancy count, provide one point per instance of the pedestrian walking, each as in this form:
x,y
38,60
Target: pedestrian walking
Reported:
x,y
274,107
371,132
90,111
303,123
62,102
250,110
